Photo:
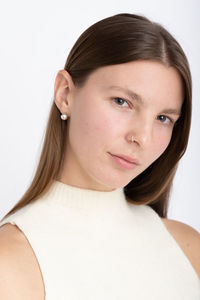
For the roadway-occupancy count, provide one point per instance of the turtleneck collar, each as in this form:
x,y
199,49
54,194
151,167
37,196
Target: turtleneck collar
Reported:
x,y
86,200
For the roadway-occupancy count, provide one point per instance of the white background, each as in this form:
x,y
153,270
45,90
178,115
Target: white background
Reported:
x,y
35,39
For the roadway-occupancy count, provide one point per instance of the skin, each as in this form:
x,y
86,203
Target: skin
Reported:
x,y
98,123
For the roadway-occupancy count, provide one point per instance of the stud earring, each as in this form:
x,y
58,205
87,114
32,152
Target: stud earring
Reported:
x,y
63,117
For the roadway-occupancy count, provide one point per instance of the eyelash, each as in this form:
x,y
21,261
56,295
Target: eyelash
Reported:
x,y
170,120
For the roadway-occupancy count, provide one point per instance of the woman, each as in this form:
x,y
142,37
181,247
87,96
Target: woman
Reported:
x,y
93,223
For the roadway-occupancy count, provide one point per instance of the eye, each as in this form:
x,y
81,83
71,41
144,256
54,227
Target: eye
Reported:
x,y
120,101
164,119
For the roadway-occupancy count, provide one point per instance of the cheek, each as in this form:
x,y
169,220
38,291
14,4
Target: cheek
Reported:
x,y
93,128
160,142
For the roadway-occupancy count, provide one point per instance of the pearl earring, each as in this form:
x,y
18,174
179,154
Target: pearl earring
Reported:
x,y
63,117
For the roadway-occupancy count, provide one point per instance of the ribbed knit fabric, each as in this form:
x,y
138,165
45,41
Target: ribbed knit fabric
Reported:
x,y
94,245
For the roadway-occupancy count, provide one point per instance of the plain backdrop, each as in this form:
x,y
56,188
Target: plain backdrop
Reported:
x,y
35,39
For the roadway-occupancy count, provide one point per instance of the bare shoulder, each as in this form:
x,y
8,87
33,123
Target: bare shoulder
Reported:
x,y
188,239
20,276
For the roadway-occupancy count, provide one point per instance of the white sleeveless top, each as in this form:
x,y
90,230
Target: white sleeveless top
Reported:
x,y
95,245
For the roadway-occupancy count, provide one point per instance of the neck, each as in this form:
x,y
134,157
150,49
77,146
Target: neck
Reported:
x,y
84,182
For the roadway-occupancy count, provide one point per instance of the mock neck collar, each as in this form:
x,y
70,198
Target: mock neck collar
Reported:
x,y
87,200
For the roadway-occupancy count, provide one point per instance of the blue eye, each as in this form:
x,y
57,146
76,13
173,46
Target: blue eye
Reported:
x,y
165,119
120,102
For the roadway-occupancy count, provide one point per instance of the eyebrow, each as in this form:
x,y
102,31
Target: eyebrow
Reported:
x,y
138,98
129,92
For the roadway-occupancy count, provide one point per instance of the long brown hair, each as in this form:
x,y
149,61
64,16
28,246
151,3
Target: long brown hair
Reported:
x,y
114,40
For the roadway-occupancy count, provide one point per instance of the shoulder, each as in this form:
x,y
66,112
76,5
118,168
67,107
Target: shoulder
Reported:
x,y
188,239
19,272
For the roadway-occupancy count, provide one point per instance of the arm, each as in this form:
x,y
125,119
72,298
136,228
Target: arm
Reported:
x,y
188,239
19,274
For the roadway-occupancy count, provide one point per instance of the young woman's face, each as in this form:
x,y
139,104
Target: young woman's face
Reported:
x,y
102,117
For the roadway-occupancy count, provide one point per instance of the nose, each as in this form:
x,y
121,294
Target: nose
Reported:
x,y
142,131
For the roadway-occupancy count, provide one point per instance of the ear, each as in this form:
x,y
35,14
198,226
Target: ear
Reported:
x,y
63,91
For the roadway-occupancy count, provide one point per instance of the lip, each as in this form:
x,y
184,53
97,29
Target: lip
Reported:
x,y
127,158
125,161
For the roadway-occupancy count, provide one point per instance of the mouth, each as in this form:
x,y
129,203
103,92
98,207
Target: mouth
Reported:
x,y
124,161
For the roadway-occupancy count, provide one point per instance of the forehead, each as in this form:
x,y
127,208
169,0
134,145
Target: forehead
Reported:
x,y
149,79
